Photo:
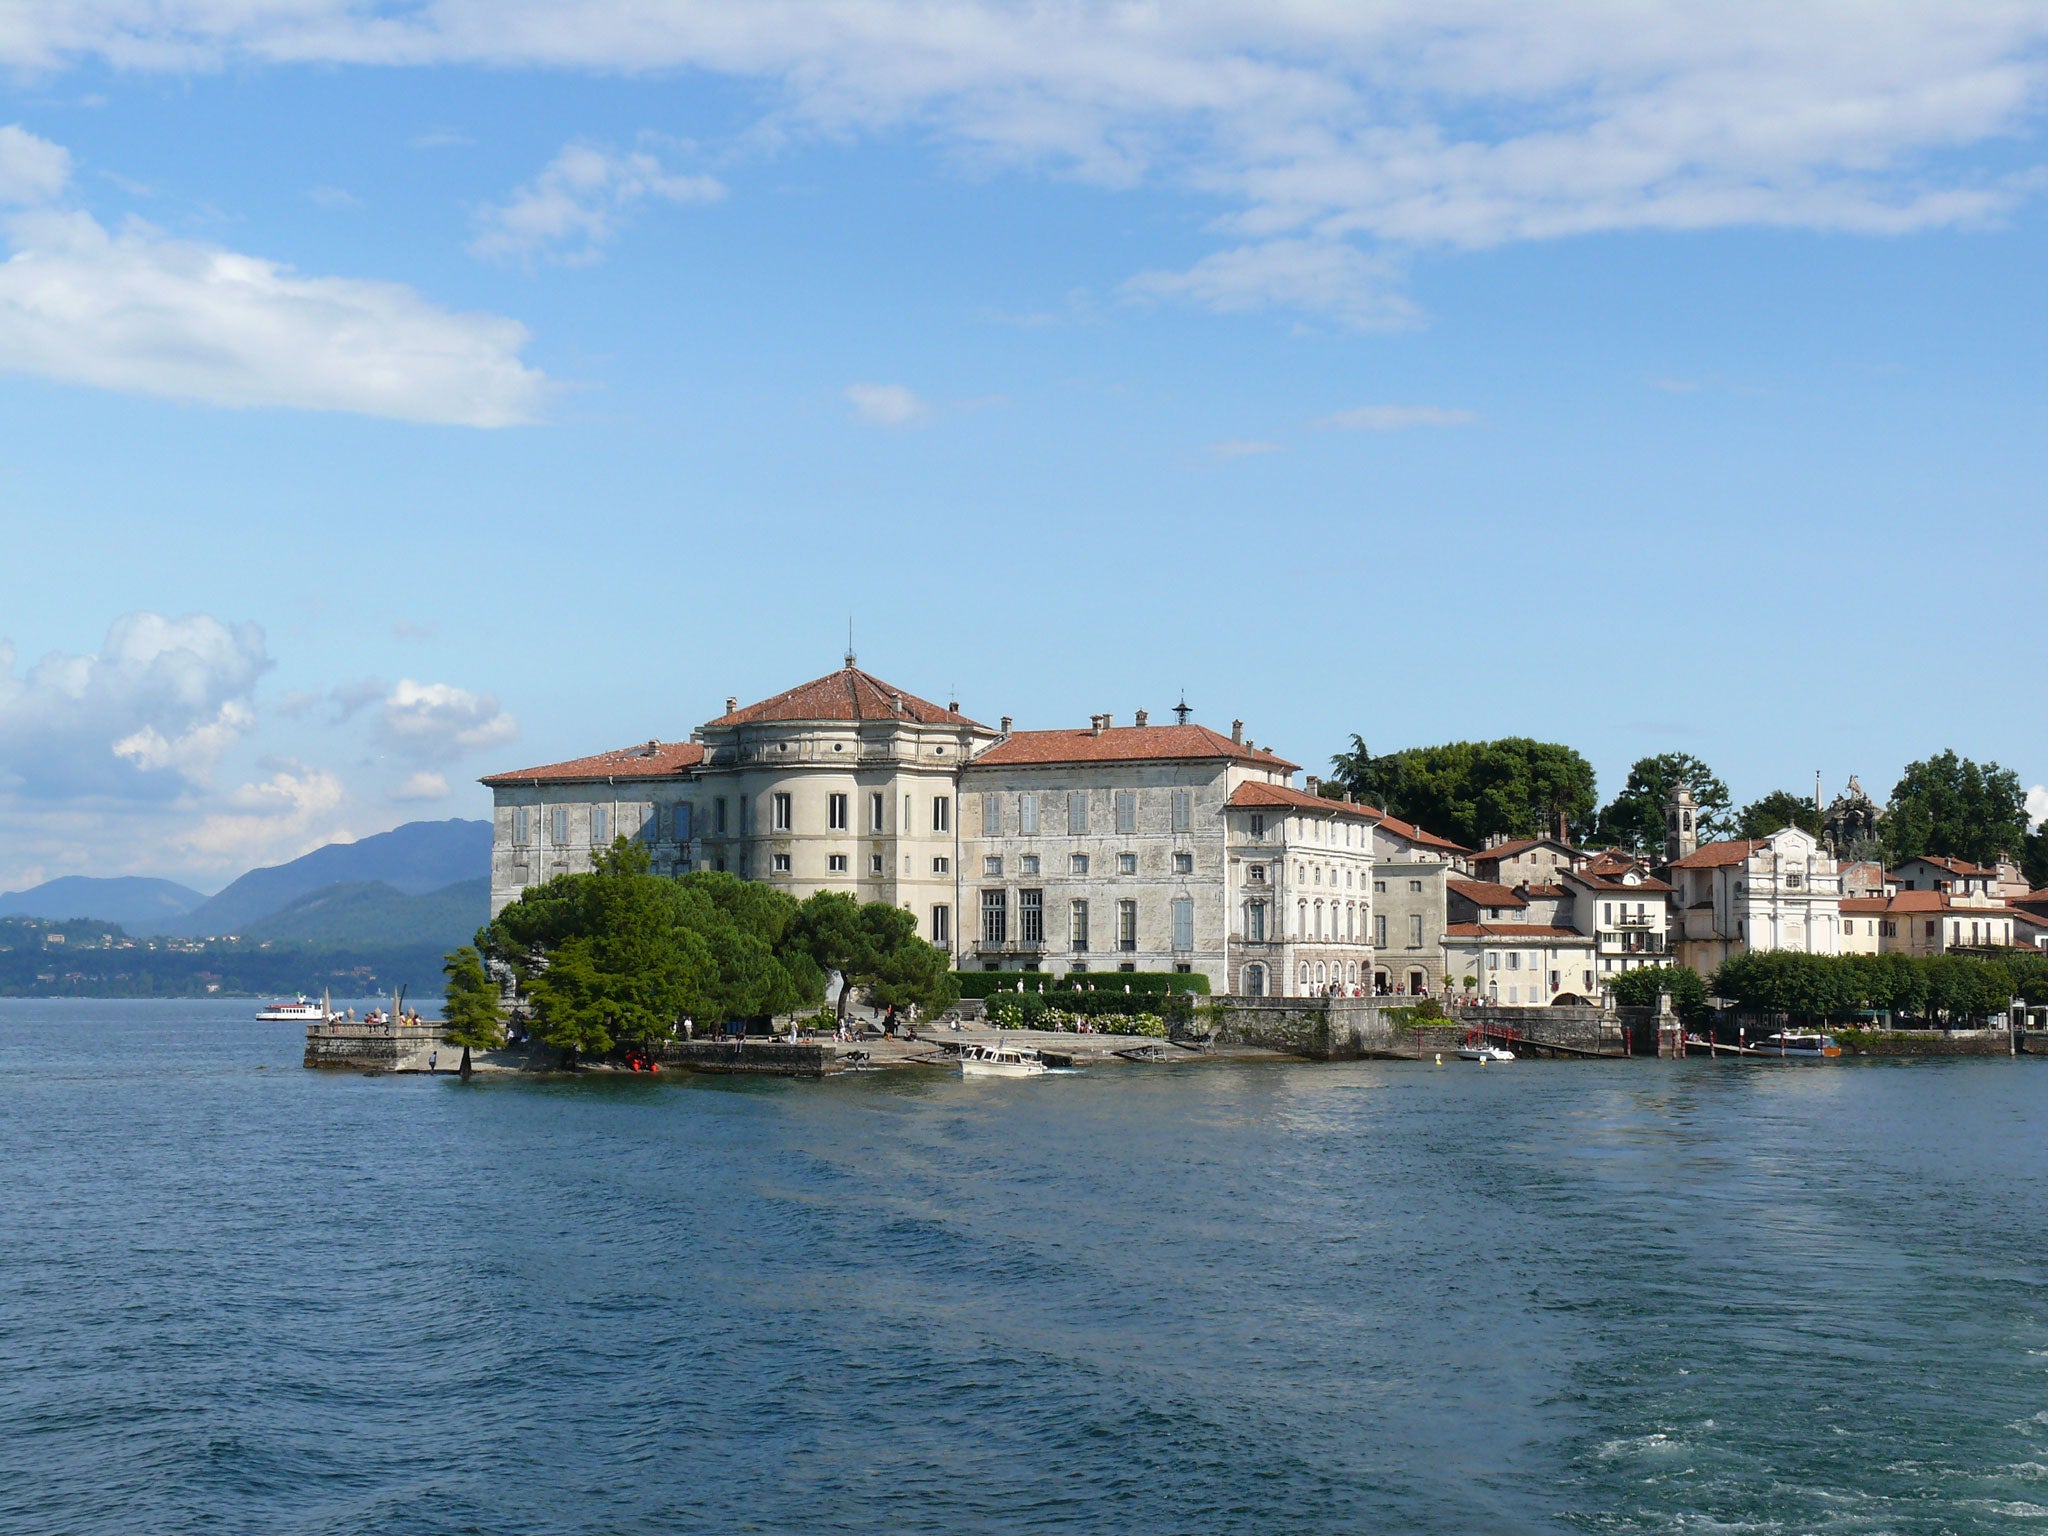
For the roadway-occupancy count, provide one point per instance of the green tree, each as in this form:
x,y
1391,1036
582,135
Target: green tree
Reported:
x,y
1639,989
875,946
1634,819
2034,859
1949,805
476,1016
1471,790
1779,809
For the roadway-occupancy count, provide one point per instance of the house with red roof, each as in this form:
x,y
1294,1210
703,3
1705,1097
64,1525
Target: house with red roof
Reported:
x,y
1778,892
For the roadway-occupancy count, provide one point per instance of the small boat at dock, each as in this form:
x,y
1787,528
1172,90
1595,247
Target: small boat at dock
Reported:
x,y
1806,1043
1485,1053
1000,1061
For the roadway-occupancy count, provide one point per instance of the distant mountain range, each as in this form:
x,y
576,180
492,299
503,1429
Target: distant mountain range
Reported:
x,y
419,857
370,914
427,882
137,904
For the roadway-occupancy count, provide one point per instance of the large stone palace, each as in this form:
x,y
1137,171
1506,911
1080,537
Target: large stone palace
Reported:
x,y
1139,847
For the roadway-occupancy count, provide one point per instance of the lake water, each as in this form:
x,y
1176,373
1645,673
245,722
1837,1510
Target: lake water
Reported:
x,y
1613,1297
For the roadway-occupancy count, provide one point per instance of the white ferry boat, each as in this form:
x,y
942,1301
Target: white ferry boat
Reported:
x,y
300,1012
1000,1061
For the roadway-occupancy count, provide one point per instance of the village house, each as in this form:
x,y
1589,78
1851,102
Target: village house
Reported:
x,y
1410,868
1917,922
1624,909
1778,892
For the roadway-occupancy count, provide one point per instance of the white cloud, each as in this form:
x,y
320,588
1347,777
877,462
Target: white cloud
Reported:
x,y
434,722
1322,276
2037,806
1404,123
138,311
1397,418
887,405
32,170
421,786
145,717
293,811
573,208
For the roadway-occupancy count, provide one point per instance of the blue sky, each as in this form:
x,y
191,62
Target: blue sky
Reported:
x,y
393,393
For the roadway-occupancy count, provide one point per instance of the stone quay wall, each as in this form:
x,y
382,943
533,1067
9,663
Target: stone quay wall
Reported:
x,y
1586,1031
369,1047
1926,1042
772,1058
1320,1028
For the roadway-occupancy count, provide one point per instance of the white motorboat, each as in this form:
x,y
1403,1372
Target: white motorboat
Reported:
x,y
300,1012
1484,1053
1797,1043
1000,1061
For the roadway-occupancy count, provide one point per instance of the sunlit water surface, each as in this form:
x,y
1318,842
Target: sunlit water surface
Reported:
x,y
239,1296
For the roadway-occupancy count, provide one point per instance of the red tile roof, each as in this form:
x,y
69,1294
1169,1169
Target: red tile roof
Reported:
x,y
2032,899
1253,793
649,760
1601,882
1409,832
1859,906
1516,846
1511,931
1721,855
1128,744
1953,866
1484,893
848,694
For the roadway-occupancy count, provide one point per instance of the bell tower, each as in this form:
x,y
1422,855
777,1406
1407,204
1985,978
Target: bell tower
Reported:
x,y
1681,829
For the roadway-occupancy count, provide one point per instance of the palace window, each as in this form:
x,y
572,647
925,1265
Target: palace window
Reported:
x,y
783,809
1255,922
878,807
942,812
1257,874
835,812
874,863
1415,930
1127,926
992,865
779,863
1127,863
1183,863
1127,810
1077,811
558,832
1078,864
942,926
1183,924
1380,886
1415,886
681,817
1027,815
1257,828
1027,864
522,827
995,917
941,865
835,863
1031,917
991,815
600,826
718,815
1379,930
1077,926
1183,810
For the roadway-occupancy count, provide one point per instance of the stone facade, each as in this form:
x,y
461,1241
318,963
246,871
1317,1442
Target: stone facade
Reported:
x,y
1777,892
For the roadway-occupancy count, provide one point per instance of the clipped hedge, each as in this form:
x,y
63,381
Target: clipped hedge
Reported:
x,y
1023,1008
1030,1011
1141,983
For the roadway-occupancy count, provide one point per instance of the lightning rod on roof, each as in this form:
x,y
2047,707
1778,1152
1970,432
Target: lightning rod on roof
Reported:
x,y
849,642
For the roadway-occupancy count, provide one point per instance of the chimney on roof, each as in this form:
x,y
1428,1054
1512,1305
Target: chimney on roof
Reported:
x,y
1348,800
896,702
1314,784
732,703
653,746
1006,725
1237,730
1144,716
1095,725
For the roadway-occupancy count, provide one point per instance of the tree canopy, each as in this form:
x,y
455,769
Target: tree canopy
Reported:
x,y
1949,805
1639,988
476,1017
1775,811
1634,819
1469,791
619,955
874,946
1956,988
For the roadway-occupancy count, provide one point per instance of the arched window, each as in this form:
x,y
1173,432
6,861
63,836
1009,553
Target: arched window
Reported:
x,y
1322,978
1319,919
1418,983
1351,972
1301,922
1304,973
1255,981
